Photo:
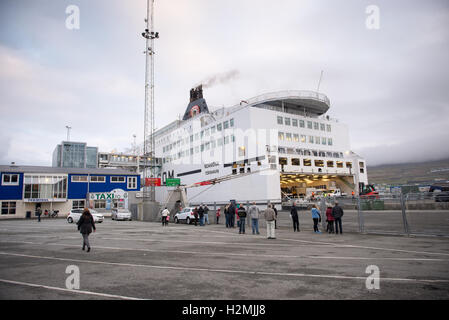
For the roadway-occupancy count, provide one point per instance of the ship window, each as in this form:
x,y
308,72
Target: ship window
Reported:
x,y
339,164
288,137
212,130
281,150
322,127
283,161
206,132
362,165
301,123
248,170
231,122
310,139
322,153
323,140
295,122
315,126
202,147
280,135
328,126
309,125
287,121
219,127
242,170
362,170
317,140
197,136
330,164
295,162
207,146
202,133
319,163
307,152
191,138
296,137
225,124
329,141
213,144
280,120
197,149
226,140
220,141
234,171
303,138
272,159
348,164
307,162
315,153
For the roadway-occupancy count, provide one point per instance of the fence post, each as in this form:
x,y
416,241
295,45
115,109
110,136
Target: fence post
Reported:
x,y
360,214
404,216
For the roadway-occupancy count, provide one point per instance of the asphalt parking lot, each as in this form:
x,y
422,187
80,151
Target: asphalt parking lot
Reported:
x,y
143,260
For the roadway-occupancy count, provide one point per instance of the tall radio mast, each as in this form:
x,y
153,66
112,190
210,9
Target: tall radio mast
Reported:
x,y
148,140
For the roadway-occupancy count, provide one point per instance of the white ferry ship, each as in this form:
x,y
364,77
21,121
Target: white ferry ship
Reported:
x,y
281,144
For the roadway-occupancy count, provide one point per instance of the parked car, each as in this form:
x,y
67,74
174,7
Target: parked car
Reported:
x,y
75,214
186,215
121,214
442,196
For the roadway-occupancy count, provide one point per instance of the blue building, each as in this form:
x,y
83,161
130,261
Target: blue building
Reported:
x,y
24,188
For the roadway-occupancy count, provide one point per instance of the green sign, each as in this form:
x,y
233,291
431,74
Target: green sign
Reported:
x,y
172,182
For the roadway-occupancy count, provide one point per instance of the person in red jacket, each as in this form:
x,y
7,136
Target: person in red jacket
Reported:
x,y
330,219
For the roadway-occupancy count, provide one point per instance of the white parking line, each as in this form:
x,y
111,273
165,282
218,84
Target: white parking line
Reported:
x,y
223,254
303,275
71,291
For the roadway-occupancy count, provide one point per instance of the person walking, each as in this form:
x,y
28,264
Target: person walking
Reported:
x,y
242,218
217,215
254,213
165,215
195,215
226,212
337,213
206,214
38,213
85,225
270,218
276,214
201,214
330,219
295,218
316,218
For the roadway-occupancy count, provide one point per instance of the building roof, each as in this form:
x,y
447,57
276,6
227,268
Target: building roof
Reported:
x,y
42,169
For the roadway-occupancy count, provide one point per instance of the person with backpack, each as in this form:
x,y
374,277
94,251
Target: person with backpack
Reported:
x,y
316,216
242,218
337,213
295,218
329,219
85,225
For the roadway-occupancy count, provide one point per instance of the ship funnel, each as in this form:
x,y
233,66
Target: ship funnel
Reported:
x,y
196,93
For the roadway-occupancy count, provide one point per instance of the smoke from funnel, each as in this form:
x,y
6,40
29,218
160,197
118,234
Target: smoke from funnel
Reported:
x,y
220,78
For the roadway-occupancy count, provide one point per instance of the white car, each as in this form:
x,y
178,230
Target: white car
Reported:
x,y
186,215
75,214
121,214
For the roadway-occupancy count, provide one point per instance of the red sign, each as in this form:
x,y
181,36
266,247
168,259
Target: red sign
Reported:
x,y
152,182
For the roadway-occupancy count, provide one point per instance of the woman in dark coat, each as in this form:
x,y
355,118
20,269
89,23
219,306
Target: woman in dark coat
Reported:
x,y
85,225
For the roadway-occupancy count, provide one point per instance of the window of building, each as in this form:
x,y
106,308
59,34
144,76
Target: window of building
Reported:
x,y
280,120
45,186
10,179
301,124
287,121
296,137
79,178
100,204
309,125
294,122
78,204
339,164
328,127
99,179
231,122
288,137
319,163
225,125
8,207
316,126
118,179
330,164
280,135
295,162
322,127
132,182
307,162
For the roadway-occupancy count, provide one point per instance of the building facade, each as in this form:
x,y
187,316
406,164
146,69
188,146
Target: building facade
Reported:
x,y
70,154
25,188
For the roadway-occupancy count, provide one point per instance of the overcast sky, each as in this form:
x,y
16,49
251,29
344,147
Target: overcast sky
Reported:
x,y
391,85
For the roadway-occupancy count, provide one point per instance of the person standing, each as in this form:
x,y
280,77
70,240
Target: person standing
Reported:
x,y
165,215
242,217
270,218
316,218
254,213
201,214
330,219
295,218
38,213
337,213
226,212
231,211
206,214
276,214
85,225
217,215
195,215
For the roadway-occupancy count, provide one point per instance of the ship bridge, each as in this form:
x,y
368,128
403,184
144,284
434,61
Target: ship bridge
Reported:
x,y
300,102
